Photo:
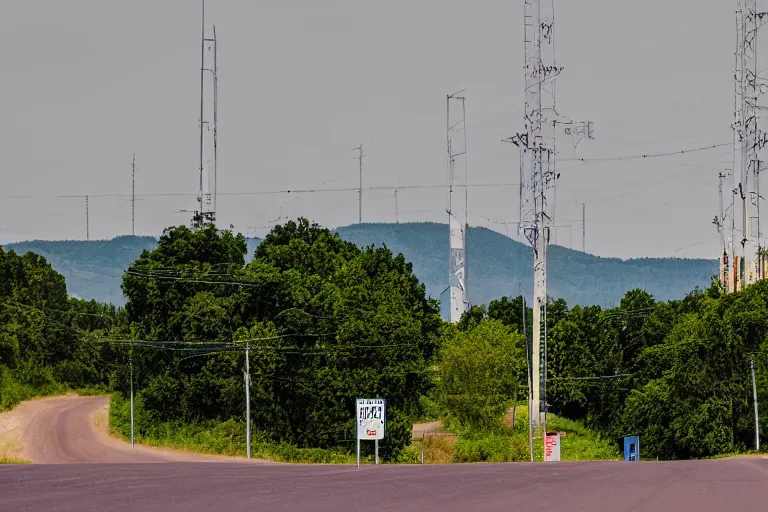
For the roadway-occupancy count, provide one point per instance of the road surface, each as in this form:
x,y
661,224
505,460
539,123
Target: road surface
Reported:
x,y
715,485
61,434
73,430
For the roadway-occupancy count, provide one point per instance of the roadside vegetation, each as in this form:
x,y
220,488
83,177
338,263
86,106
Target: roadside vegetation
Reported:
x,y
326,322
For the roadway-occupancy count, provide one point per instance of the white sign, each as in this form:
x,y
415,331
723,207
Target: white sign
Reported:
x,y
371,418
552,447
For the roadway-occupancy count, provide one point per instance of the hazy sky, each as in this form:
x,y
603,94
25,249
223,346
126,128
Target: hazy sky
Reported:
x,y
86,83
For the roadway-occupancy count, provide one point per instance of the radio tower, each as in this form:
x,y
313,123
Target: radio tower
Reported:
x,y
538,174
457,147
748,141
206,198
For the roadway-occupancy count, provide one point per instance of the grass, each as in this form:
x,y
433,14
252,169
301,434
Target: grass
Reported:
x,y
37,384
217,438
13,391
8,460
504,444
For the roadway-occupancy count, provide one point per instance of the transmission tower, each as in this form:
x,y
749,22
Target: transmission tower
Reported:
x,y
397,209
206,198
749,142
457,148
360,156
538,173
133,196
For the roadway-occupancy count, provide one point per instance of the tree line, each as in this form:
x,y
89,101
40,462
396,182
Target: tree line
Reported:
x,y
326,322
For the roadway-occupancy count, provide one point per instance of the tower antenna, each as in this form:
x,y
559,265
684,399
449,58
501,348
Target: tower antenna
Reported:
x,y
133,196
538,173
215,119
87,220
360,156
206,212
457,283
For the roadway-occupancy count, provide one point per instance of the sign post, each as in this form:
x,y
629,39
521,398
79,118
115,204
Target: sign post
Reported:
x,y
371,415
552,447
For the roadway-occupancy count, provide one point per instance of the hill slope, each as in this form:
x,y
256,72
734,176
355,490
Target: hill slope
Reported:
x,y
497,265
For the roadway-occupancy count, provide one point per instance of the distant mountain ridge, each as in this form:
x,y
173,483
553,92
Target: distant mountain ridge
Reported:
x,y
497,265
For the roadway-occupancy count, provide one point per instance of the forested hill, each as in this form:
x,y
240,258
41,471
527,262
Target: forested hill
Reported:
x,y
497,265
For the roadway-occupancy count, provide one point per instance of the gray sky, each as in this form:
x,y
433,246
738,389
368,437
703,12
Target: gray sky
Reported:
x,y
88,82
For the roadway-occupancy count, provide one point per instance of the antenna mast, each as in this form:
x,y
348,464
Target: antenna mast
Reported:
x,y
359,149
397,209
87,220
538,173
459,302
748,143
133,196
206,213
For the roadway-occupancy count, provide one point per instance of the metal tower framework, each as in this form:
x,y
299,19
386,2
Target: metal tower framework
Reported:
x,y
538,174
456,140
208,124
749,141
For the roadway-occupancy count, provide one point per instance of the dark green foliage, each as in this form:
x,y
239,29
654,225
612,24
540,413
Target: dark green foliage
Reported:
x,y
676,373
481,372
326,321
46,343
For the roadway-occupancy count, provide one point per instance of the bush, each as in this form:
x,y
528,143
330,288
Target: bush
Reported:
x,y
493,448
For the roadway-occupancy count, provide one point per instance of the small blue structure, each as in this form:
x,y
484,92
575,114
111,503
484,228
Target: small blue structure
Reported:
x,y
631,448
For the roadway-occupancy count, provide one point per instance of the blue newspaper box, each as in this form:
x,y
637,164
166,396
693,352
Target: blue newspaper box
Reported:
x,y
631,448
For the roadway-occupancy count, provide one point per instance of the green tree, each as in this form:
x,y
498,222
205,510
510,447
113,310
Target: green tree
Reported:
x,y
479,373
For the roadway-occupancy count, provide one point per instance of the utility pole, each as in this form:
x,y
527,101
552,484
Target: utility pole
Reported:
x,y
528,371
247,401
720,223
131,364
87,220
397,210
133,196
359,149
754,399
584,227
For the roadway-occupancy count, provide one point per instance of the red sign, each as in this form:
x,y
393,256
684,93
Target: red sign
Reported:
x,y
371,432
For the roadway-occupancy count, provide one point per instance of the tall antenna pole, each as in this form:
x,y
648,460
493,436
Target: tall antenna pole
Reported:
x,y
202,119
360,156
583,227
465,230
133,196
457,232
537,169
215,118
397,209
87,220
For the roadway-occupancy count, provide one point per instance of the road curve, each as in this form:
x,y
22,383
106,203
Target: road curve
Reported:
x,y
64,430
702,486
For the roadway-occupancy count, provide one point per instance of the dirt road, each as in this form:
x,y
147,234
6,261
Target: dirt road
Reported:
x,y
73,429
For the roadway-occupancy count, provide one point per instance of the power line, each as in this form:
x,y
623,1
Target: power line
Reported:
x,y
266,192
357,189
643,156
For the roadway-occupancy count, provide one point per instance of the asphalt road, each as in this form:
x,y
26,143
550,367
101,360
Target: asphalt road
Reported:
x,y
716,485
78,467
